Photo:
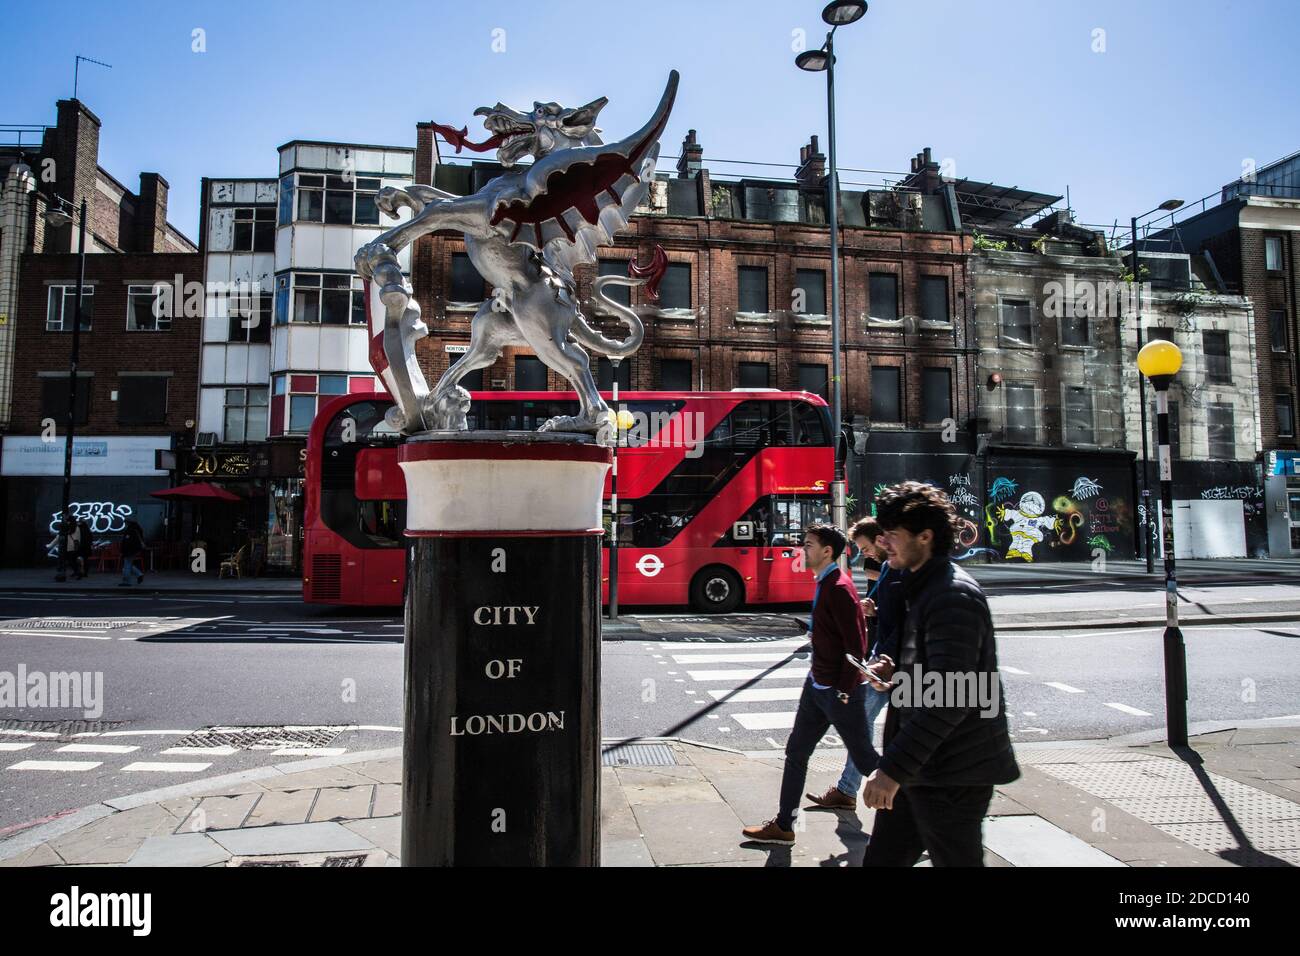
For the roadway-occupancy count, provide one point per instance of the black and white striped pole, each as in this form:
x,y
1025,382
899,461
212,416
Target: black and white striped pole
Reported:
x,y
613,502
1160,361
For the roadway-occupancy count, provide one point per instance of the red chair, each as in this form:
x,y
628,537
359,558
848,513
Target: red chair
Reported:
x,y
109,557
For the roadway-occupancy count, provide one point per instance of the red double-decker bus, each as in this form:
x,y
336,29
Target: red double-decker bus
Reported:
x,y
714,491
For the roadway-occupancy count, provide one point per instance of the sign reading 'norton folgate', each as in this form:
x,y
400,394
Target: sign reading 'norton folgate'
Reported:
x,y
510,668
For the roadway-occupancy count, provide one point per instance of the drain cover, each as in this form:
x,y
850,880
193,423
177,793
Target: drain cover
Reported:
x,y
65,624
639,755
261,738
60,730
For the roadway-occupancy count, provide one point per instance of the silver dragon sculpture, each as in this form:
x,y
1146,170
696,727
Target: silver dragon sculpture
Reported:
x,y
525,232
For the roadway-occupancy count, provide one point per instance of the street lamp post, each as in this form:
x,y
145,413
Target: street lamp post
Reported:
x,y
1169,205
1160,362
58,217
838,13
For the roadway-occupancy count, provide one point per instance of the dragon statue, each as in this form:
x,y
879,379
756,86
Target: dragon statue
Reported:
x,y
525,232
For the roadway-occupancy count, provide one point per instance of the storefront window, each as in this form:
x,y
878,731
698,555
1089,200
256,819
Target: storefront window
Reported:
x,y
284,525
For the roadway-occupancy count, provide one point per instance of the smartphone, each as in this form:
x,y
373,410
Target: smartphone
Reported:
x,y
863,667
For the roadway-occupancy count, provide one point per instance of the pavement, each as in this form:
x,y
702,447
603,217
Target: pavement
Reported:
x,y
1232,798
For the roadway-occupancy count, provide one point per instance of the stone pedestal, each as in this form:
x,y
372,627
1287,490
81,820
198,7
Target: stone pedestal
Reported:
x,y
502,718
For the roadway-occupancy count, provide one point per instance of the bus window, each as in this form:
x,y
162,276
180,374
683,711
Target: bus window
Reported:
x,y
809,425
753,425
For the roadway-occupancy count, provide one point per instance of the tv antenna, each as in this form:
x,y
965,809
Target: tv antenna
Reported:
x,y
76,70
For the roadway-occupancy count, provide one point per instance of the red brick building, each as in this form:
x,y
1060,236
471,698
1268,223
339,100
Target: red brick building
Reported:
x,y
137,374
747,296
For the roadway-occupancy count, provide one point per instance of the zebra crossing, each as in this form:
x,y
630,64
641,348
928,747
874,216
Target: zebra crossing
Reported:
x,y
157,751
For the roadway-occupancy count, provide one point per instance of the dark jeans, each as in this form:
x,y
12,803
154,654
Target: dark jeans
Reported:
x,y
819,710
946,821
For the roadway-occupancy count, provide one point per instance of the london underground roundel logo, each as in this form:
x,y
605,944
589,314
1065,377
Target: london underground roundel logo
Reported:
x,y
649,564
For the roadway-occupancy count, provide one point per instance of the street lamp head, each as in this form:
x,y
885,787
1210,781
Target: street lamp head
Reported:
x,y
814,61
1160,359
1169,205
56,217
840,12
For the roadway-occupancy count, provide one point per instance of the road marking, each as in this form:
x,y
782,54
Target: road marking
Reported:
x,y
733,658
55,765
145,733
1063,687
8,747
791,643
759,694
96,749
781,720
222,751
1126,709
31,733
309,752
1011,670
160,767
88,637
795,669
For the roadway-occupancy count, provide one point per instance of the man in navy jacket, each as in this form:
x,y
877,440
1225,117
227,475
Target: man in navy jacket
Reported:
x,y
834,694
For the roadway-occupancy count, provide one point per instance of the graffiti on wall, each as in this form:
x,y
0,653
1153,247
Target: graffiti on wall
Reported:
x,y
104,517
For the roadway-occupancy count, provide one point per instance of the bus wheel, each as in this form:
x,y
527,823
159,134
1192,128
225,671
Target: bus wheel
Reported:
x,y
716,590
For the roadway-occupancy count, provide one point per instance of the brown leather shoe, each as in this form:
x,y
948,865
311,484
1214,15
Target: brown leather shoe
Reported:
x,y
835,799
769,832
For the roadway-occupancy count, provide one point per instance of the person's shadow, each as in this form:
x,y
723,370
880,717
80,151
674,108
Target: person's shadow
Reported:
x,y
848,828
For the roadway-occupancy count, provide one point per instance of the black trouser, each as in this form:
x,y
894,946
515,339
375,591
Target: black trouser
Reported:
x,y
945,821
819,710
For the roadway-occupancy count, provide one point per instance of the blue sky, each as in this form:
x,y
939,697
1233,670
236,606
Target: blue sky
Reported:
x,y
1015,92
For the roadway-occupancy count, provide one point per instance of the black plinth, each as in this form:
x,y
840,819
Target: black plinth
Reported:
x,y
501,752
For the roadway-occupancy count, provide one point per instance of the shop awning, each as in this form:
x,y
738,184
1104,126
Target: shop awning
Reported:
x,y
198,491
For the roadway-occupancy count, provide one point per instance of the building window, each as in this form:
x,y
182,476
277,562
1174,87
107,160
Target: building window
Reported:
x,y
751,289
1021,413
934,298
144,308
142,400
605,375
1273,253
936,395
1015,322
886,405
466,283
619,293
883,292
246,410
337,200
254,229
250,319
1162,333
530,374
1282,407
309,393
676,375
675,289
1218,366
1223,439
813,378
1074,328
63,306
1078,416
1277,329
755,375
328,298
54,398
810,291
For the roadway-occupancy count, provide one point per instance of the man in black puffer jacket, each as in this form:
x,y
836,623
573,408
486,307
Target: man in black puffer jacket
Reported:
x,y
946,743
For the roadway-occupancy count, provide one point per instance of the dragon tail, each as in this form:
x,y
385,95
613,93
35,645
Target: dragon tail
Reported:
x,y
649,276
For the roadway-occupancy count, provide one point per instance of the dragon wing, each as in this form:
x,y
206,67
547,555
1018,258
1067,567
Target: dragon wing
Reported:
x,y
575,200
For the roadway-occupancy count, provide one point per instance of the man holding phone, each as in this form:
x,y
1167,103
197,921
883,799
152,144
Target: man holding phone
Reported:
x,y
834,694
881,609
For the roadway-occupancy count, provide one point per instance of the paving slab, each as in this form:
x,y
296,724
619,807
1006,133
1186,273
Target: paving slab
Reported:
x,y
340,776
179,849
342,803
41,855
1033,841
691,832
383,832
281,807
113,839
388,800
624,852
380,771
224,812
293,838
